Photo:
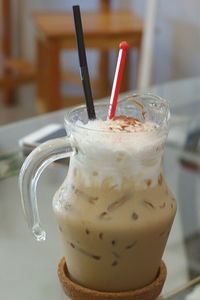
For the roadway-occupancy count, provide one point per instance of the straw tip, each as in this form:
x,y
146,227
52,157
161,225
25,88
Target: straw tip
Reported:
x,y
123,45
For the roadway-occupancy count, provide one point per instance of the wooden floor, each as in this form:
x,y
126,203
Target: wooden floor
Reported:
x,y
24,107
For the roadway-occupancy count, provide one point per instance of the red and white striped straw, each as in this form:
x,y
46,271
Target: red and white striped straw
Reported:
x,y
123,47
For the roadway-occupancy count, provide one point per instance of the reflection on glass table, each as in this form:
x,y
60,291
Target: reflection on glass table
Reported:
x,y
190,291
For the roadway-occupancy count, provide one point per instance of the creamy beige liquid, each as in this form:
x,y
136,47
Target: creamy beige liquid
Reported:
x,y
114,210
114,238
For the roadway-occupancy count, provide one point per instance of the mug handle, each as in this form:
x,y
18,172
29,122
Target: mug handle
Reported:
x,y
31,170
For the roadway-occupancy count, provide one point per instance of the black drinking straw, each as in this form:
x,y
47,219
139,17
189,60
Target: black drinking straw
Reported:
x,y
83,63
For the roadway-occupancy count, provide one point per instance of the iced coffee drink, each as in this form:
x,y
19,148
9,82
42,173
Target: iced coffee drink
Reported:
x,y
114,209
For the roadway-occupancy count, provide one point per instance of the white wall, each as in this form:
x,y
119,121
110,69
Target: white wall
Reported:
x,y
177,41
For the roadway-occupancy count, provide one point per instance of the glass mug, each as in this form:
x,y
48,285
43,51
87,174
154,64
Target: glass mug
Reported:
x,y
114,209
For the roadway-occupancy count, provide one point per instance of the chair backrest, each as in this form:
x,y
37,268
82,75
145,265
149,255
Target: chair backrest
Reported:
x,y
145,67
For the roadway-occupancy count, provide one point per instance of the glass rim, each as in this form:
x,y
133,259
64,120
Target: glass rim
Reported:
x,y
82,107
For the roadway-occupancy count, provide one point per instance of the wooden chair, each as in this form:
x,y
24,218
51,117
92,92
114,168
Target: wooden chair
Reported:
x,y
103,30
14,71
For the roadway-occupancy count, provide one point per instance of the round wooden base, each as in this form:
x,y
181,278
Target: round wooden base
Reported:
x,y
78,292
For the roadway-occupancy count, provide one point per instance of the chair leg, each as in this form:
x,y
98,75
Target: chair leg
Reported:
x,y
8,91
5,6
49,76
41,82
8,96
104,86
54,77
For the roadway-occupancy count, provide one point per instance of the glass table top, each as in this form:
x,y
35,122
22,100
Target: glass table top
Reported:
x,y
28,268
189,291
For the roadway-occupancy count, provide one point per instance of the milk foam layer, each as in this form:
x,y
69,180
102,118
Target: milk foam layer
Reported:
x,y
120,124
119,148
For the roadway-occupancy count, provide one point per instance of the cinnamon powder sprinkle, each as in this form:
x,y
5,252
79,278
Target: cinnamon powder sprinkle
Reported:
x,y
127,120
125,123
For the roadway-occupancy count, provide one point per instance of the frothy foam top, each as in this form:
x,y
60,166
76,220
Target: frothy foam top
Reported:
x,y
120,124
123,146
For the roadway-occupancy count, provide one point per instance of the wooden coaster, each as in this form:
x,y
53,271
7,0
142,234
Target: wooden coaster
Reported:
x,y
78,292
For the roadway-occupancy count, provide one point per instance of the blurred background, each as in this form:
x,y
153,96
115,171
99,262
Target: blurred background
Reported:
x,y
168,50
39,73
